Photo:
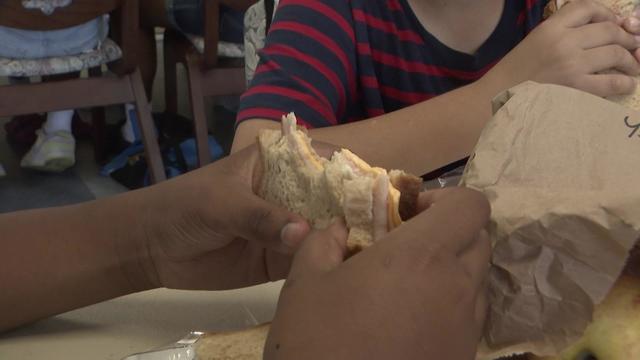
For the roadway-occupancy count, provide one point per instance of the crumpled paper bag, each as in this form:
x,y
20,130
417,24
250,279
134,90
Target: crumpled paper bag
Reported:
x,y
561,169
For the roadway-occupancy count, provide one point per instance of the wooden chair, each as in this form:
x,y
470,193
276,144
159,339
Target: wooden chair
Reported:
x,y
213,68
257,21
95,91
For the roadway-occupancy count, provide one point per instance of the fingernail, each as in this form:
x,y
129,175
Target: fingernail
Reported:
x,y
293,233
637,39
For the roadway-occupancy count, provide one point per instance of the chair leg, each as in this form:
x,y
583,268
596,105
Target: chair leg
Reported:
x,y
197,107
170,72
98,125
152,150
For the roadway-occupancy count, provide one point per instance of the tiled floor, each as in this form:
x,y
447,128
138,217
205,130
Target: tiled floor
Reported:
x,y
23,189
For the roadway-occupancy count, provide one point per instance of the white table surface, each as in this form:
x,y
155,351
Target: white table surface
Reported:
x,y
137,323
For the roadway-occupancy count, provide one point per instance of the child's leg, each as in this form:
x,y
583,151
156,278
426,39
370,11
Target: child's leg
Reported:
x,y
54,149
58,121
154,15
131,129
157,13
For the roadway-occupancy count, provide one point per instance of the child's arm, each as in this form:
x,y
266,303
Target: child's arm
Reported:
x,y
417,139
569,49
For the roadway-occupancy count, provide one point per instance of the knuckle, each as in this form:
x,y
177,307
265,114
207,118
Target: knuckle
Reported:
x,y
571,81
620,54
618,84
611,28
548,27
620,32
615,33
419,259
476,201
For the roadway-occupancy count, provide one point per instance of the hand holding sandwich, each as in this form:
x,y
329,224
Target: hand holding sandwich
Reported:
x,y
216,234
573,48
202,230
412,294
417,294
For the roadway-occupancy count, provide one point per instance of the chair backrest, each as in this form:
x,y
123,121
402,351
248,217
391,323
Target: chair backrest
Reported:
x,y
257,21
269,8
212,26
14,14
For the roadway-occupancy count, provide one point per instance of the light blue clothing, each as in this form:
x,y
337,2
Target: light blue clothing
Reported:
x,y
27,44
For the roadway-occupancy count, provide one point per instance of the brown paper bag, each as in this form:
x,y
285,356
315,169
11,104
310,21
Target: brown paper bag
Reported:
x,y
561,169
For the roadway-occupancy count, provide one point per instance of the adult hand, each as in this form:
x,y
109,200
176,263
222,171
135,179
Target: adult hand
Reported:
x,y
419,293
210,231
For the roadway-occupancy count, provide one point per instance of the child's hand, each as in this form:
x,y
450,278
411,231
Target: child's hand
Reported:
x,y
572,48
632,25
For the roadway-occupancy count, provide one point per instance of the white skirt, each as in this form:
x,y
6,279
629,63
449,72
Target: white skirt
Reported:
x,y
27,44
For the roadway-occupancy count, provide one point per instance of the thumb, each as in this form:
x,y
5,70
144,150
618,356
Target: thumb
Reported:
x,y
452,223
274,227
321,251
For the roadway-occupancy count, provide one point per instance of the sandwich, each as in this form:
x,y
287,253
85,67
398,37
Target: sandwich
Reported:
x,y
620,7
371,200
291,174
233,345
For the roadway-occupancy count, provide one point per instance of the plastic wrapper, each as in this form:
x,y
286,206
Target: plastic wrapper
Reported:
x,y
238,317
447,179
182,349
451,178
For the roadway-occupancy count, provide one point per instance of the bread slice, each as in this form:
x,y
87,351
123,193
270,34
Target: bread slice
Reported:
x,y
234,345
620,7
371,200
249,344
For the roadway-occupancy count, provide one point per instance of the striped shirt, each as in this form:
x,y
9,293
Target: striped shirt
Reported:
x,y
337,61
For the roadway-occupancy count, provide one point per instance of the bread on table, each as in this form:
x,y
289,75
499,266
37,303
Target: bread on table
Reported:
x,y
233,345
